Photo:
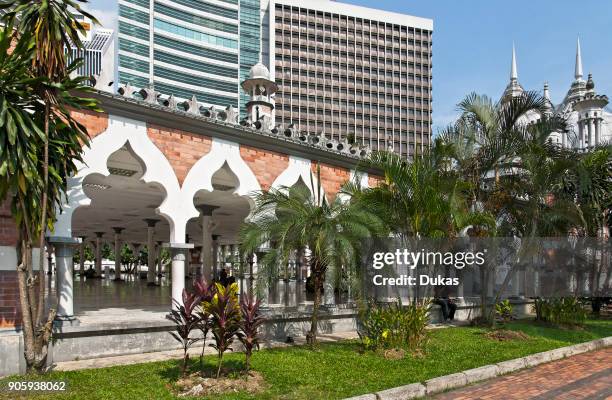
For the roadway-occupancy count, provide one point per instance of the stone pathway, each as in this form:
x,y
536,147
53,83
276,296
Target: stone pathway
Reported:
x,y
585,376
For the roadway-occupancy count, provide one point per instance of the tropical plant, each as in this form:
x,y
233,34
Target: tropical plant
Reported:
x,y
205,291
186,321
394,325
560,311
249,326
224,312
504,310
40,144
297,218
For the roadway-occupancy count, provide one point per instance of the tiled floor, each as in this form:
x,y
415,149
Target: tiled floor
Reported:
x,y
585,376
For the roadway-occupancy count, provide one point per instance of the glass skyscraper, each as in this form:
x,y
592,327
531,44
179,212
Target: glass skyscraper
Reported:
x,y
190,47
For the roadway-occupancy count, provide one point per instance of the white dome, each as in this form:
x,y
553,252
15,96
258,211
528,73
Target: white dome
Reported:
x,y
259,71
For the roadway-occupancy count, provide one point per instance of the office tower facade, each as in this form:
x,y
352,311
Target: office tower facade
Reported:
x,y
353,72
190,47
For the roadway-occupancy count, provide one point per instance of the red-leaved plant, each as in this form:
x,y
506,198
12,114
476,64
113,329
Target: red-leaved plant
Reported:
x,y
251,321
205,291
224,313
185,321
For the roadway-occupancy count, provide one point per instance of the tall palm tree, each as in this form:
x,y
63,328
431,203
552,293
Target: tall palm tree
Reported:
x,y
40,141
46,28
292,219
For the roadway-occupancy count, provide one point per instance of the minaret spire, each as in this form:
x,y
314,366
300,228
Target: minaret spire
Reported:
x,y
578,71
513,70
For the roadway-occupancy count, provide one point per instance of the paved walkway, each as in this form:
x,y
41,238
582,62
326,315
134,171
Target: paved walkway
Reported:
x,y
585,376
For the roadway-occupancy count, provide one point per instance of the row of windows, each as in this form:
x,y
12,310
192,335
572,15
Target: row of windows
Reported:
x,y
195,50
133,14
352,21
281,97
194,80
141,3
133,63
359,107
306,73
217,100
209,8
321,32
132,30
344,86
133,47
195,19
134,80
193,64
195,35
312,61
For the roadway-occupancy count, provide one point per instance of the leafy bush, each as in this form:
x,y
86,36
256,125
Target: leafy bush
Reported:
x,y
504,310
185,321
205,291
385,326
560,311
224,319
251,321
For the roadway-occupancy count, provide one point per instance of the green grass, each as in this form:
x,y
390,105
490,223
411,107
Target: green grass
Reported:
x,y
335,371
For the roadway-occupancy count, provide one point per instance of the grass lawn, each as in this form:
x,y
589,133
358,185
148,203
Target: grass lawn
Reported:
x,y
335,371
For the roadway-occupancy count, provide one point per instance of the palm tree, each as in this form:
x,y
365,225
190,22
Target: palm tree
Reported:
x,y
50,27
292,219
421,199
40,142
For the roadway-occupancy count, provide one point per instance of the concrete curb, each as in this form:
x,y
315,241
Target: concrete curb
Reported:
x,y
453,381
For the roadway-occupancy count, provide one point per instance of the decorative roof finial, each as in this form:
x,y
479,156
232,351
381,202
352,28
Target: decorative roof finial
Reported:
x,y
578,71
513,71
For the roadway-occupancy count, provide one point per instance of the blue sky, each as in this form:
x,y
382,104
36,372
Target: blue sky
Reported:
x,y
473,44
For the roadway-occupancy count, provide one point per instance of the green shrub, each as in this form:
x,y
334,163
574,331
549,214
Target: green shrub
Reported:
x,y
393,325
560,311
504,310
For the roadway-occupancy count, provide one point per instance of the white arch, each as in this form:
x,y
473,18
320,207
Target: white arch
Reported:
x,y
158,170
200,176
298,168
361,177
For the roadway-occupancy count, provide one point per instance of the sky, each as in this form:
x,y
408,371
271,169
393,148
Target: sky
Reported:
x,y
472,44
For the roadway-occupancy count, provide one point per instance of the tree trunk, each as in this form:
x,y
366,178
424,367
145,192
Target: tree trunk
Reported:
x,y
248,361
43,219
311,337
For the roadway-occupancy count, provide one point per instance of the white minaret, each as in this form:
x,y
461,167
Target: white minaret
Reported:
x,y
578,70
513,89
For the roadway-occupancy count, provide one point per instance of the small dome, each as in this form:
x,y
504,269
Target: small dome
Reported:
x,y
590,84
259,71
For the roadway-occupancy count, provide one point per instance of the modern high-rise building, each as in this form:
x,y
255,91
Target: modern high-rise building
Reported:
x,y
349,71
190,47
97,53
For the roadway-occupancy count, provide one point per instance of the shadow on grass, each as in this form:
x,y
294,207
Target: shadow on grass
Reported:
x,y
208,368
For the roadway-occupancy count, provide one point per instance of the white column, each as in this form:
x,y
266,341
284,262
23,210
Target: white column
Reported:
x,y
215,257
598,131
580,134
179,253
99,254
591,132
82,256
158,260
118,231
207,241
329,298
151,251
64,286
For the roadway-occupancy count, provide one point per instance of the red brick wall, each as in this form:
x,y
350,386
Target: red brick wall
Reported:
x,y
332,178
182,149
96,123
8,229
374,180
266,165
10,309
